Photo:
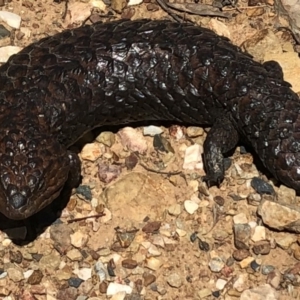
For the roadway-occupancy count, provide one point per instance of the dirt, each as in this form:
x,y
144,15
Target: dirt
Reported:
x,y
160,248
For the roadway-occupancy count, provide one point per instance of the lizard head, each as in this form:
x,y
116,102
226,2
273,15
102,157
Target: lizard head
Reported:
x,y
33,169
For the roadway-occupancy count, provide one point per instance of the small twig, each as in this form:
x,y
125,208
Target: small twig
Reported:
x,y
66,10
160,172
165,7
84,218
245,7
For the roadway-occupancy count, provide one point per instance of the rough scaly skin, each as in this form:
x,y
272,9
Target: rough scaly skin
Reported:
x,y
60,87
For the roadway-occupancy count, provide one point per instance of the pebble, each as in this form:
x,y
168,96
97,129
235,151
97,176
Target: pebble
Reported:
x,y
180,232
280,216
204,293
240,282
259,234
5,292
107,138
13,20
255,266
174,280
129,263
286,195
51,261
27,273
174,210
83,273
151,227
220,235
158,241
254,199
296,252
274,279
108,172
85,191
203,245
35,278
220,284
60,234
100,270
131,161
80,10
219,200
120,296
7,51
263,40
114,288
134,2
15,274
79,239
190,206
92,151
246,262
160,143
193,158
216,264
176,132
266,269
3,275
219,27
153,250
103,287
74,255
264,292
240,254
193,131
262,187
15,257
261,247
75,282
284,240
63,274
152,130
148,279
153,263
133,140
242,233
240,219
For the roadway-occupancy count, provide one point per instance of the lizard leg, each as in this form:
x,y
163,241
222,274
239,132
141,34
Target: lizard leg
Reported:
x,y
221,138
75,170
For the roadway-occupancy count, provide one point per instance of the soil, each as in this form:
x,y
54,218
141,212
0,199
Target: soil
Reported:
x,y
164,233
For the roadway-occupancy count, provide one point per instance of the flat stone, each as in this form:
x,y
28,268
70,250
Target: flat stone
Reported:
x,y
153,263
190,206
83,273
259,234
7,51
15,274
79,239
139,195
13,20
264,292
193,158
114,288
92,151
133,140
280,216
152,130
240,219
174,280
107,138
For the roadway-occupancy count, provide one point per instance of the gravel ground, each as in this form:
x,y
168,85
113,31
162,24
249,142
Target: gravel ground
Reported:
x,y
142,225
